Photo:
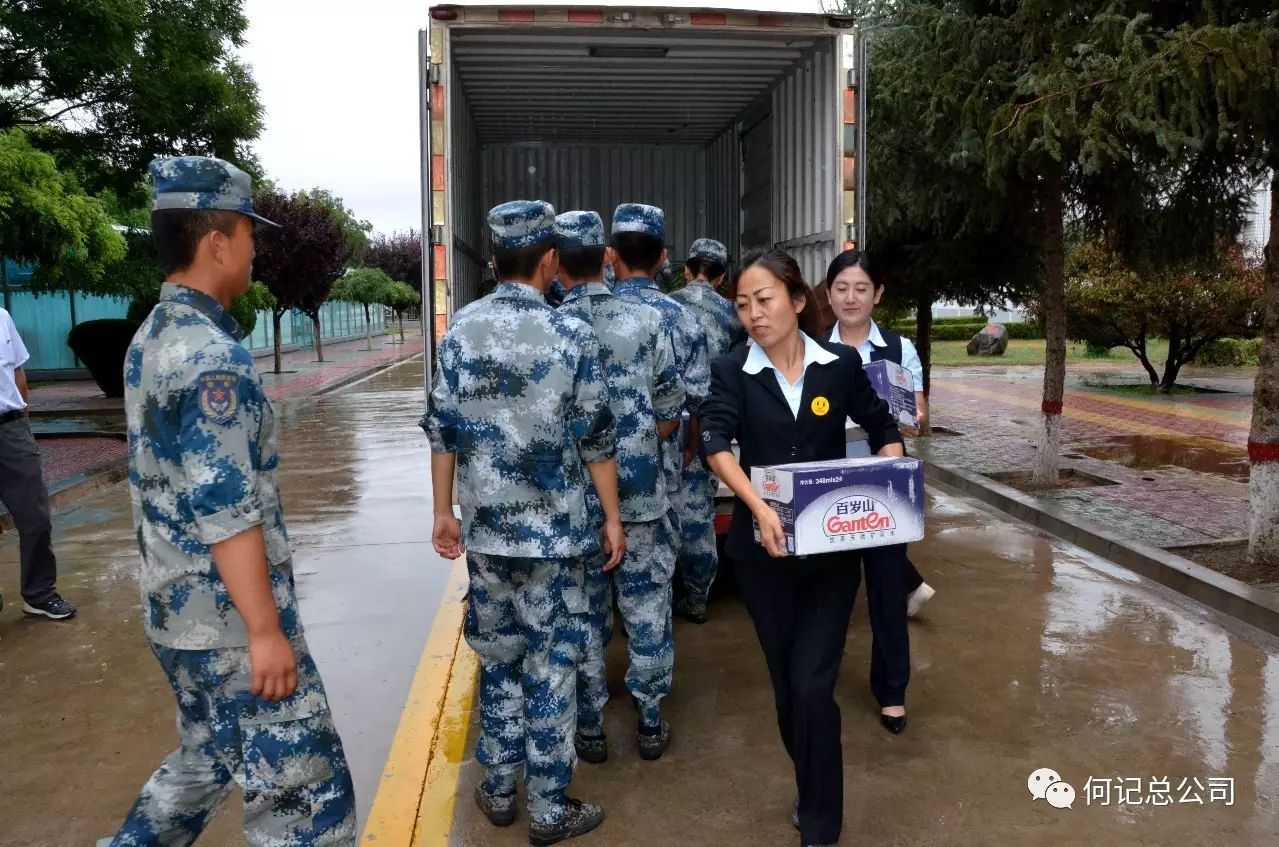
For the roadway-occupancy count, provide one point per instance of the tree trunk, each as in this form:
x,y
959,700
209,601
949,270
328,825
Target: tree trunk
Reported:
x,y
1263,440
276,317
368,329
319,340
924,345
1172,365
1052,207
1143,356
400,316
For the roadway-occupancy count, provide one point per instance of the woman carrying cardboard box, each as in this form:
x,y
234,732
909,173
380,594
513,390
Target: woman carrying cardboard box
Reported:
x,y
784,399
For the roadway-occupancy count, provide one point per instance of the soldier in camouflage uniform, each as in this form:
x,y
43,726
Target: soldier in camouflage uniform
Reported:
x,y
636,253
218,599
520,410
645,394
704,271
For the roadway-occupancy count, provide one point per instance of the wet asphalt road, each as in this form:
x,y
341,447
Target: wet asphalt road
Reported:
x,y
85,712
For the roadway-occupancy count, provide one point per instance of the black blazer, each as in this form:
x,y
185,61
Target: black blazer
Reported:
x,y
752,409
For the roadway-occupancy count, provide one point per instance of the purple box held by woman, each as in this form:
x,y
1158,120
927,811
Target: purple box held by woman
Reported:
x,y
844,504
895,386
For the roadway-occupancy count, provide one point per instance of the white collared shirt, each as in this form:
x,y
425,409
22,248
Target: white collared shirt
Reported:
x,y
13,355
757,360
910,356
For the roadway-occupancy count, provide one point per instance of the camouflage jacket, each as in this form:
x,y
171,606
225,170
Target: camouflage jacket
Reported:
x,y
202,469
687,337
644,387
716,316
519,396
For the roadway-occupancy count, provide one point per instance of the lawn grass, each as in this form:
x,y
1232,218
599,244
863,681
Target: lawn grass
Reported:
x,y
1022,352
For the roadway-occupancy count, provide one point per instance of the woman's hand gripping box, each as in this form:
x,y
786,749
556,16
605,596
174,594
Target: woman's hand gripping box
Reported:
x,y
844,504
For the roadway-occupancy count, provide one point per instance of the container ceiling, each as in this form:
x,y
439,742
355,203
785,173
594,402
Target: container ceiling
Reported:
x,y
640,87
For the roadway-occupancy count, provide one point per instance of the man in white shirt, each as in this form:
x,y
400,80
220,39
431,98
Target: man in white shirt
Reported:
x,y
22,489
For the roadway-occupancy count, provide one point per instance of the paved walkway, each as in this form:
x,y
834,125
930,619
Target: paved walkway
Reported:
x,y
1033,655
79,406
1178,464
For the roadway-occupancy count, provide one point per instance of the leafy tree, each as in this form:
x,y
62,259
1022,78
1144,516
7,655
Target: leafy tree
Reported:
x,y
300,261
1110,304
398,255
403,298
107,85
1052,96
368,287
48,221
355,229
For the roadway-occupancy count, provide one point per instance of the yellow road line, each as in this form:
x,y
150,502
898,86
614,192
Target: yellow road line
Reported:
x,y
1106,420
428,730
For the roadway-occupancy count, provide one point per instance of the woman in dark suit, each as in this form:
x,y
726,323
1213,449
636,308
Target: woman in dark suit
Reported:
x,y
784,399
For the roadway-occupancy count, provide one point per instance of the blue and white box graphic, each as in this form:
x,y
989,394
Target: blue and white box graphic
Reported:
x,y
895,386
844,504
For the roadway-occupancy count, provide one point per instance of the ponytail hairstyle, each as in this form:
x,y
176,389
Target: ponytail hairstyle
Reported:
x,y
783,266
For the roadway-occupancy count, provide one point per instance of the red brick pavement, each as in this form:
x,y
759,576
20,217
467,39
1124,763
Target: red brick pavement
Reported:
x,y
998,414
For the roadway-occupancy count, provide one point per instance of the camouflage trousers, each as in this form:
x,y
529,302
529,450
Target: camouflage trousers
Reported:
x,y
642,583
286,757
523,618
673,474
698,559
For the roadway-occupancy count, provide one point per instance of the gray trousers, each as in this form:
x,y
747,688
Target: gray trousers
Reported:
x,y
23,493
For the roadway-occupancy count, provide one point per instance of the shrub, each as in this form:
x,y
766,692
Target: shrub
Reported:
x,y
1025,331
1230,353
1096,351
102,346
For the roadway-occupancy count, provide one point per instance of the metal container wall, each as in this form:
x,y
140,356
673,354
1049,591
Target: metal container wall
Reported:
x,y
806,166
724,190
600,177
467,252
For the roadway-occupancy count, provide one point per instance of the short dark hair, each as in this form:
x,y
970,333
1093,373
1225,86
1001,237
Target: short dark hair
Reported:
x,y
520,263
640,252
177,233
582,262
852,259
702,266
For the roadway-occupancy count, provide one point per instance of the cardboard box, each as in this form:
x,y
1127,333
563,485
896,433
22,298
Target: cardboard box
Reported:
x,y
896,386
844,504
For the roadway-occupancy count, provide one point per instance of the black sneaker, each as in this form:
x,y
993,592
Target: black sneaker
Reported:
x,y
691,611
55,607
579,819
591,748
653,742
498,808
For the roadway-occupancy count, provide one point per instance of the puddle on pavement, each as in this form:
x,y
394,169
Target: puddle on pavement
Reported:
x,y
1144,452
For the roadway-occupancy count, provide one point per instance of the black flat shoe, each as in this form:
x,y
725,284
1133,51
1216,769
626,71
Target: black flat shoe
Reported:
x,y
895,725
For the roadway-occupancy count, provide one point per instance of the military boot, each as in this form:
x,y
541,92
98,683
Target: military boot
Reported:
x,y
591,748
653,742
579,819
691,610
498,808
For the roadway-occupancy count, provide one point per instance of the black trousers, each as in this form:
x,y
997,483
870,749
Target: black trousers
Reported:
x,y
801,609
890,577
23,493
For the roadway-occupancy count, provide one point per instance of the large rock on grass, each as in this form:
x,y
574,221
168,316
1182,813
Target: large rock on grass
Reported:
x,y
991,341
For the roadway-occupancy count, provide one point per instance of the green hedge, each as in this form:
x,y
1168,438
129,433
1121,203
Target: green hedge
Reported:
x,y
965,331
1230,353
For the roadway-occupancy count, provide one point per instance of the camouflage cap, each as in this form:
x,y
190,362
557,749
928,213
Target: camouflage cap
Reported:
x,y
709,249
521,223
579,229
202,182
637,217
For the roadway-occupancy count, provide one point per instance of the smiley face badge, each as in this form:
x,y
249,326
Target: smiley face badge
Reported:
x,y
820,406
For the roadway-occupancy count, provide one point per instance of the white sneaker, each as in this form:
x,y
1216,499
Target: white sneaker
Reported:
x,y
917,598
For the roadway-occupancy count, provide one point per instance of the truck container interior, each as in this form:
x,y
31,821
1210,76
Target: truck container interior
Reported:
x,y
736,134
